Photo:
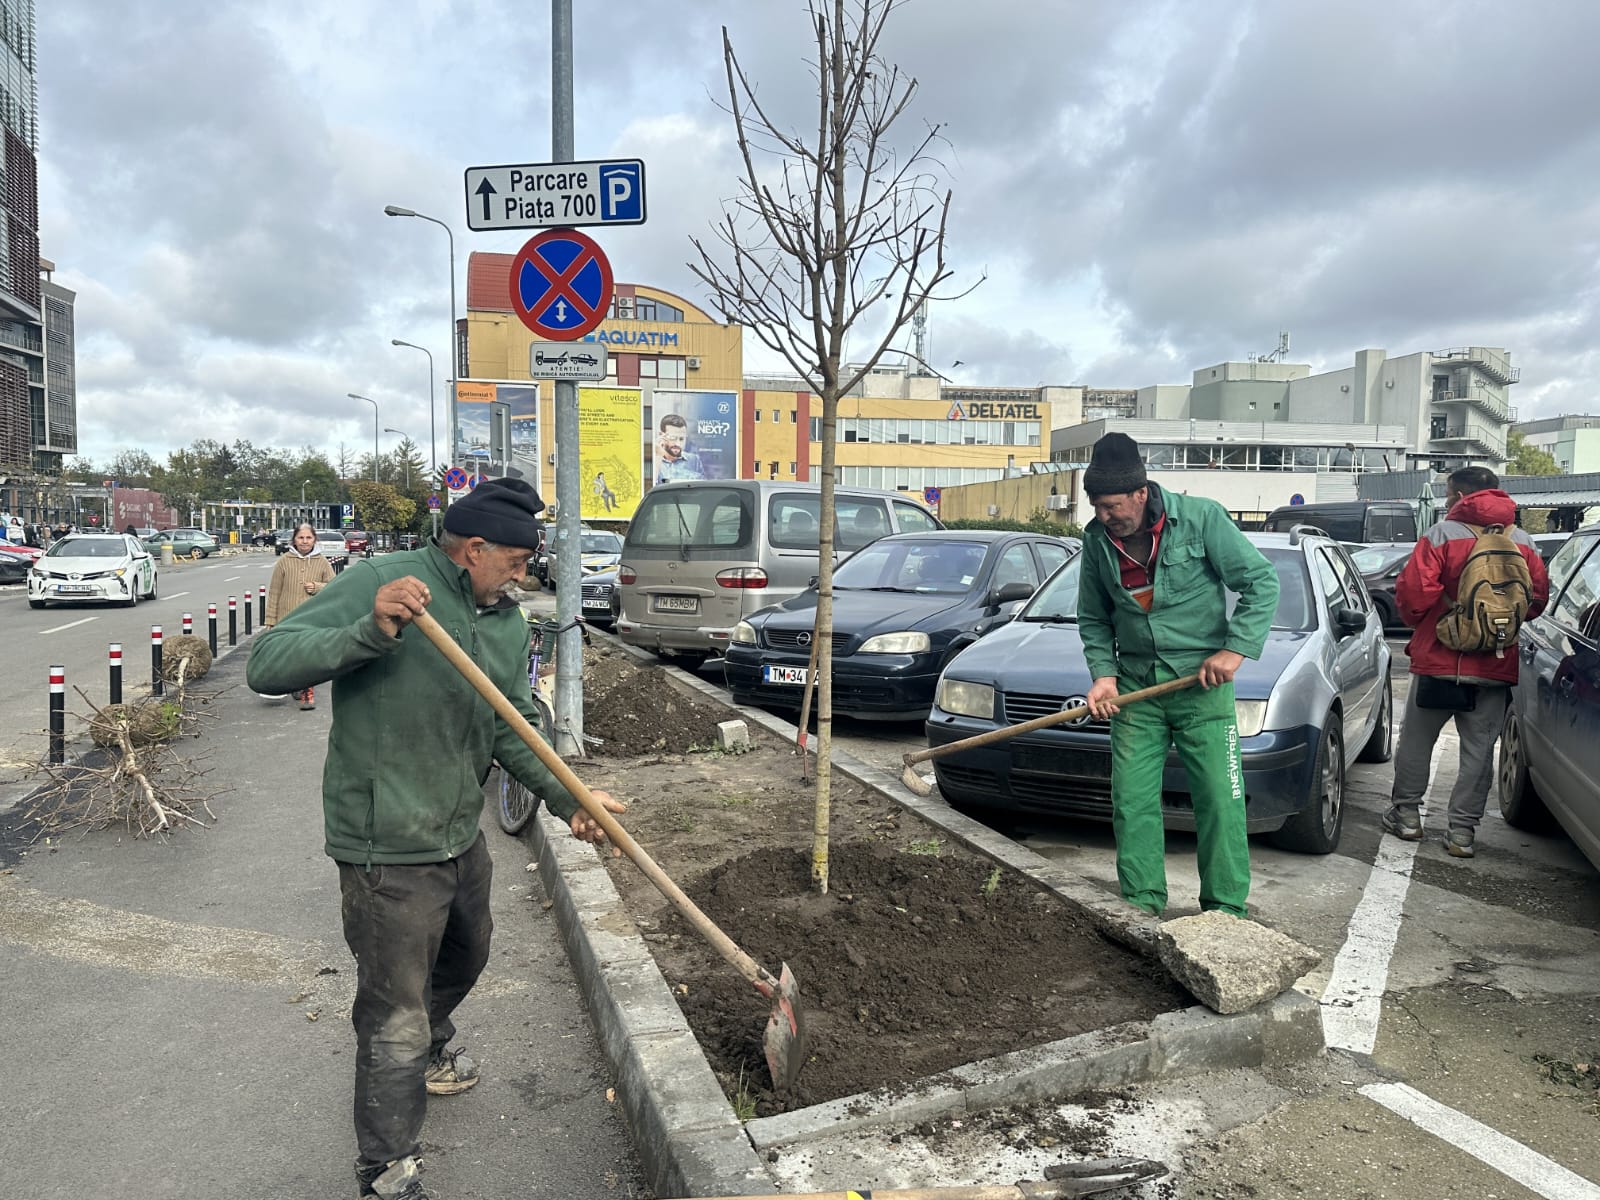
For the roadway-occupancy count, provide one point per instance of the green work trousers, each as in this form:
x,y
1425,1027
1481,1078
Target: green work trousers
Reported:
x,y
1200,722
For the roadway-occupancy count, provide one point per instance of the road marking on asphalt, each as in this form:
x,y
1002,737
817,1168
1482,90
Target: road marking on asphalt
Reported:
x,y
174,595
1352,1002
1511,1158
69,625
231,578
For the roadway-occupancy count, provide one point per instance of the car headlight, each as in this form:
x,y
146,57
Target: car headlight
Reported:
x,y
965,699
1250,716
744,634
895,643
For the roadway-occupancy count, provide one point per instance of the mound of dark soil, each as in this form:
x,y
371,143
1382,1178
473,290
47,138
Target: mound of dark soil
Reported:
x,y
922,955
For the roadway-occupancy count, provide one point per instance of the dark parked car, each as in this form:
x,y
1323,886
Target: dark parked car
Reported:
x,y
13,565
282,539
903,606
600,600
1318,699
1380,566
1549,771
1365,521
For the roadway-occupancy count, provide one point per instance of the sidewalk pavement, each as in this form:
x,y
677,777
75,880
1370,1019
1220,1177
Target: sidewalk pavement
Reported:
x,y
179,1007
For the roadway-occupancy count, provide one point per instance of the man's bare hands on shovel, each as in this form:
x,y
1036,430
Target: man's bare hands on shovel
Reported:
x,y
1219,668
1102,698
398,603
586,829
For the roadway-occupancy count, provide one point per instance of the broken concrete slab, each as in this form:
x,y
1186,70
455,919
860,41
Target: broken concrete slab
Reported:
x,y
733,737
1230,963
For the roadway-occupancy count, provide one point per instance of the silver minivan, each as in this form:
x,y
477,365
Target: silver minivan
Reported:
x,y
701,556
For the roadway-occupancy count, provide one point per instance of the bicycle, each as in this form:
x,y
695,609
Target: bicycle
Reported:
x,y
517,804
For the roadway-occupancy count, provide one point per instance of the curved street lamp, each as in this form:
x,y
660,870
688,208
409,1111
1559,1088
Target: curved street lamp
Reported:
x,y
374,403
395,210
407,437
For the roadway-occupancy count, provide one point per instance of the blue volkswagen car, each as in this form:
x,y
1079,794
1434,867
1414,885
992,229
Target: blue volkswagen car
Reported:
x,y
1318,699
902,607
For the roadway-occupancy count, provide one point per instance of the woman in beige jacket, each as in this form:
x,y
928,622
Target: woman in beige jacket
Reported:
x,y
301,573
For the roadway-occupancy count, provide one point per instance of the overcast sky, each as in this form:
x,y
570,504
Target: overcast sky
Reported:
x,y
1148,187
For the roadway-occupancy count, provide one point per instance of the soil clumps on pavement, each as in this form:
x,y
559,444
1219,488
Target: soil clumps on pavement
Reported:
x,y
922,956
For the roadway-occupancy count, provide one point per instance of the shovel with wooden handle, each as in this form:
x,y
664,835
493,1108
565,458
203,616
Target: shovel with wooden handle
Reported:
x,y
921,787
785,1037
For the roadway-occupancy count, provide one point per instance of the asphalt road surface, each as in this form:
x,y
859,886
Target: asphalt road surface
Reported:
x,y
77,637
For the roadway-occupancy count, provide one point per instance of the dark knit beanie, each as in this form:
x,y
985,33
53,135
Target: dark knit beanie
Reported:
x,y
1115,467
503,511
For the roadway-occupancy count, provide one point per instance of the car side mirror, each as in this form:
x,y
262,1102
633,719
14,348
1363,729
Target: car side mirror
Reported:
x,y
1007,592
1348,620
815,579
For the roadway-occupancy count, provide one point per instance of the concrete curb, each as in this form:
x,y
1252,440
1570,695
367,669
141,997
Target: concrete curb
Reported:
x,y
688,1138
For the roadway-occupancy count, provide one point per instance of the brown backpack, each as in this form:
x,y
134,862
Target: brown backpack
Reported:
x,y
1492,595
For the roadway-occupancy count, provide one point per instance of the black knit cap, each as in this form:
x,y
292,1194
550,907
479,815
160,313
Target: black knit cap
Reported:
x,y
503,511
1115,467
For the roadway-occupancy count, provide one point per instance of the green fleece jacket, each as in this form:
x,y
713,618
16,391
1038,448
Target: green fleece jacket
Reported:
x,y
1202,553
412,742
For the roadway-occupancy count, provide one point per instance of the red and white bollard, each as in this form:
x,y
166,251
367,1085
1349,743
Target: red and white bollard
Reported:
x,y
233,620
158,686
116,672
188,624
58,716
211,618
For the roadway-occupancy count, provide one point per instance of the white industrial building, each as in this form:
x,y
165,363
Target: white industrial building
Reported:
x,y
1573,441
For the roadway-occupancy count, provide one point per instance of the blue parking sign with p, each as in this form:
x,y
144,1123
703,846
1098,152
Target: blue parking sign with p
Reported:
x,y
622,192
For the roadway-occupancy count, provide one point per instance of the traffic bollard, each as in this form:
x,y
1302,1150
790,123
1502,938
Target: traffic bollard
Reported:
x,y
233,621
261,606
188,624
249,612
211,619
158,686
116,672
58,716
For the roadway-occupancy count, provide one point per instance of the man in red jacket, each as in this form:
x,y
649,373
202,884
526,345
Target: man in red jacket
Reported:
x,y
1425,590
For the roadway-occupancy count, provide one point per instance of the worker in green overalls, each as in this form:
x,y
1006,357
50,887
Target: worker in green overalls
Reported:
x,y
1152,607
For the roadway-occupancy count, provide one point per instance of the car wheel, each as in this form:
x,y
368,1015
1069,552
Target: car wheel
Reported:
x,y
1520,802
1380,746
1386,611
155,582
1316,829
689,660
35,603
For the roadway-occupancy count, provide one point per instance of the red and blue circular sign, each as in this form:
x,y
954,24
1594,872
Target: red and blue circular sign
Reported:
x,y
561,284
455,479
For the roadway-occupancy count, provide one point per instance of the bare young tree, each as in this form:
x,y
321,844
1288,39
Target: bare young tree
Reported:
x,y
829,232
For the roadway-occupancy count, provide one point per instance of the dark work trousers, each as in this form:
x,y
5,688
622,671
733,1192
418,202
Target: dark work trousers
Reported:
x,y
420,935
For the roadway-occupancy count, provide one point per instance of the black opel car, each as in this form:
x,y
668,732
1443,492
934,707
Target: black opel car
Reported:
x,y
903,606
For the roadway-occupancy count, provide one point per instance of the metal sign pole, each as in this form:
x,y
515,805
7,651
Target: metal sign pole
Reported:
x,y
569,646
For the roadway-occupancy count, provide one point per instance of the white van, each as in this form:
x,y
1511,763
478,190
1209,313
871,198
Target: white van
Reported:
x,y
701,556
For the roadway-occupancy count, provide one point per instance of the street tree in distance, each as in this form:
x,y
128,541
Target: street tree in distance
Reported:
x,y
834,231
1525,459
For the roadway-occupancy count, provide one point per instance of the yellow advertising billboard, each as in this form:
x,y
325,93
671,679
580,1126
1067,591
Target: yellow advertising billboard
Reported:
x,y
610,424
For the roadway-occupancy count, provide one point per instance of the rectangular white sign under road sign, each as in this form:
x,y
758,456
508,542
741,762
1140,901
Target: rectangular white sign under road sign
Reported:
x,y
552,195
563,360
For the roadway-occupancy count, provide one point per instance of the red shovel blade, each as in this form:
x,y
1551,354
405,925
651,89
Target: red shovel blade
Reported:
x,y
785,1038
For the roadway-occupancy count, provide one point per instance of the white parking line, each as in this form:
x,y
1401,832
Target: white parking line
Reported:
x,y
69,625
1511,1158
231,578
1353,1000
174,595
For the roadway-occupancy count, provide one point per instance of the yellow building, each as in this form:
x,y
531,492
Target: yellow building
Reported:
x,y
653,338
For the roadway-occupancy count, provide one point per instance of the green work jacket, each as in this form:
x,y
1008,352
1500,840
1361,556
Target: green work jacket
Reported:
x,y
1202,556
412,741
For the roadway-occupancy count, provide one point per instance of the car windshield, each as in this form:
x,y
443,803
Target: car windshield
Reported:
x,y
1372,560
1057,599
914,565
602,543
82,547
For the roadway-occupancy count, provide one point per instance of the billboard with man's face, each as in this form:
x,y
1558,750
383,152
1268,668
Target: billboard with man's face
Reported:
x,y
696,435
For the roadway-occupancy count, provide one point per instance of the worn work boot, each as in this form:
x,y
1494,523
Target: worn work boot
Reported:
x,y
308,700
450,1072
399,1180
1404,822
1458,842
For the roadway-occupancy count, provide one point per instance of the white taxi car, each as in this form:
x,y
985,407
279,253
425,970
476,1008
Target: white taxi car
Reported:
x,y
93,566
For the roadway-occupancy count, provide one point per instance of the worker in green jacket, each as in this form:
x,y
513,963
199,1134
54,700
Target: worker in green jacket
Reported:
x,y
1152,607
402,792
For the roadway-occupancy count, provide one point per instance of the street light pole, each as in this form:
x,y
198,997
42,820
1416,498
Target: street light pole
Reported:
x,y
303,483
433,432
407,436
374,404
395,210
